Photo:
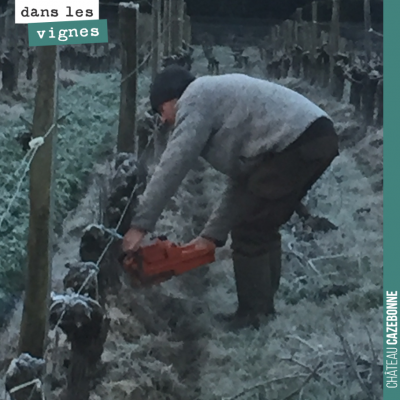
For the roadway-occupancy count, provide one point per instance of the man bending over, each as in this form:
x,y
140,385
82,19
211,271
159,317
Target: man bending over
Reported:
x,y
272,143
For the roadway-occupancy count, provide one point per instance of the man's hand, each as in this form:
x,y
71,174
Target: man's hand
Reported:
x,y
202,244
132,240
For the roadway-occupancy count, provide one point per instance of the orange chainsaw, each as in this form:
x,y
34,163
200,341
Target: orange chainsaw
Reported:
x,y
161,260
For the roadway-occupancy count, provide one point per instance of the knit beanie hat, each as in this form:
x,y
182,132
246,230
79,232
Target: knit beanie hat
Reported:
x,y
169,84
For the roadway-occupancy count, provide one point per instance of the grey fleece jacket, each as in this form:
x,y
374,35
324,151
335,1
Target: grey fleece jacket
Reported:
x,y
228,120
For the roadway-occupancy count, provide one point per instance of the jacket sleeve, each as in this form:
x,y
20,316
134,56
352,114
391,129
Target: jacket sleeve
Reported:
x,y
191,133
235,204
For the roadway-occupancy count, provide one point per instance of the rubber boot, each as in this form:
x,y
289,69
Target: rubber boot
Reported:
x,y
257,281
255,291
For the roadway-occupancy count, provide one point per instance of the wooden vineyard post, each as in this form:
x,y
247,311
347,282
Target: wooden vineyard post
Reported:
x,y
34,323
278,37
155,41
30,64
314,30
355,76
176,25
128,23
297,48
291,25
298,28
285,38
306,36
166,32
181,22
275,40
9,63
2,27
334,41
187,28
367,27
313,43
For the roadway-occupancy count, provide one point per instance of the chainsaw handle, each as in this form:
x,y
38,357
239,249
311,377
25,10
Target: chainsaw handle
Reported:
x,y
192,247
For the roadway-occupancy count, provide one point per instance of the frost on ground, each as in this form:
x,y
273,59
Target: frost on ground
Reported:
x,y
166,343
89,105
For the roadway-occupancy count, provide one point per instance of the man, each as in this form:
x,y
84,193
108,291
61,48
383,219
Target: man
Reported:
x,y
270,141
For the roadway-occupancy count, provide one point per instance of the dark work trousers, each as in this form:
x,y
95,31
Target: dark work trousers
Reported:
x,y
280,182
278,185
